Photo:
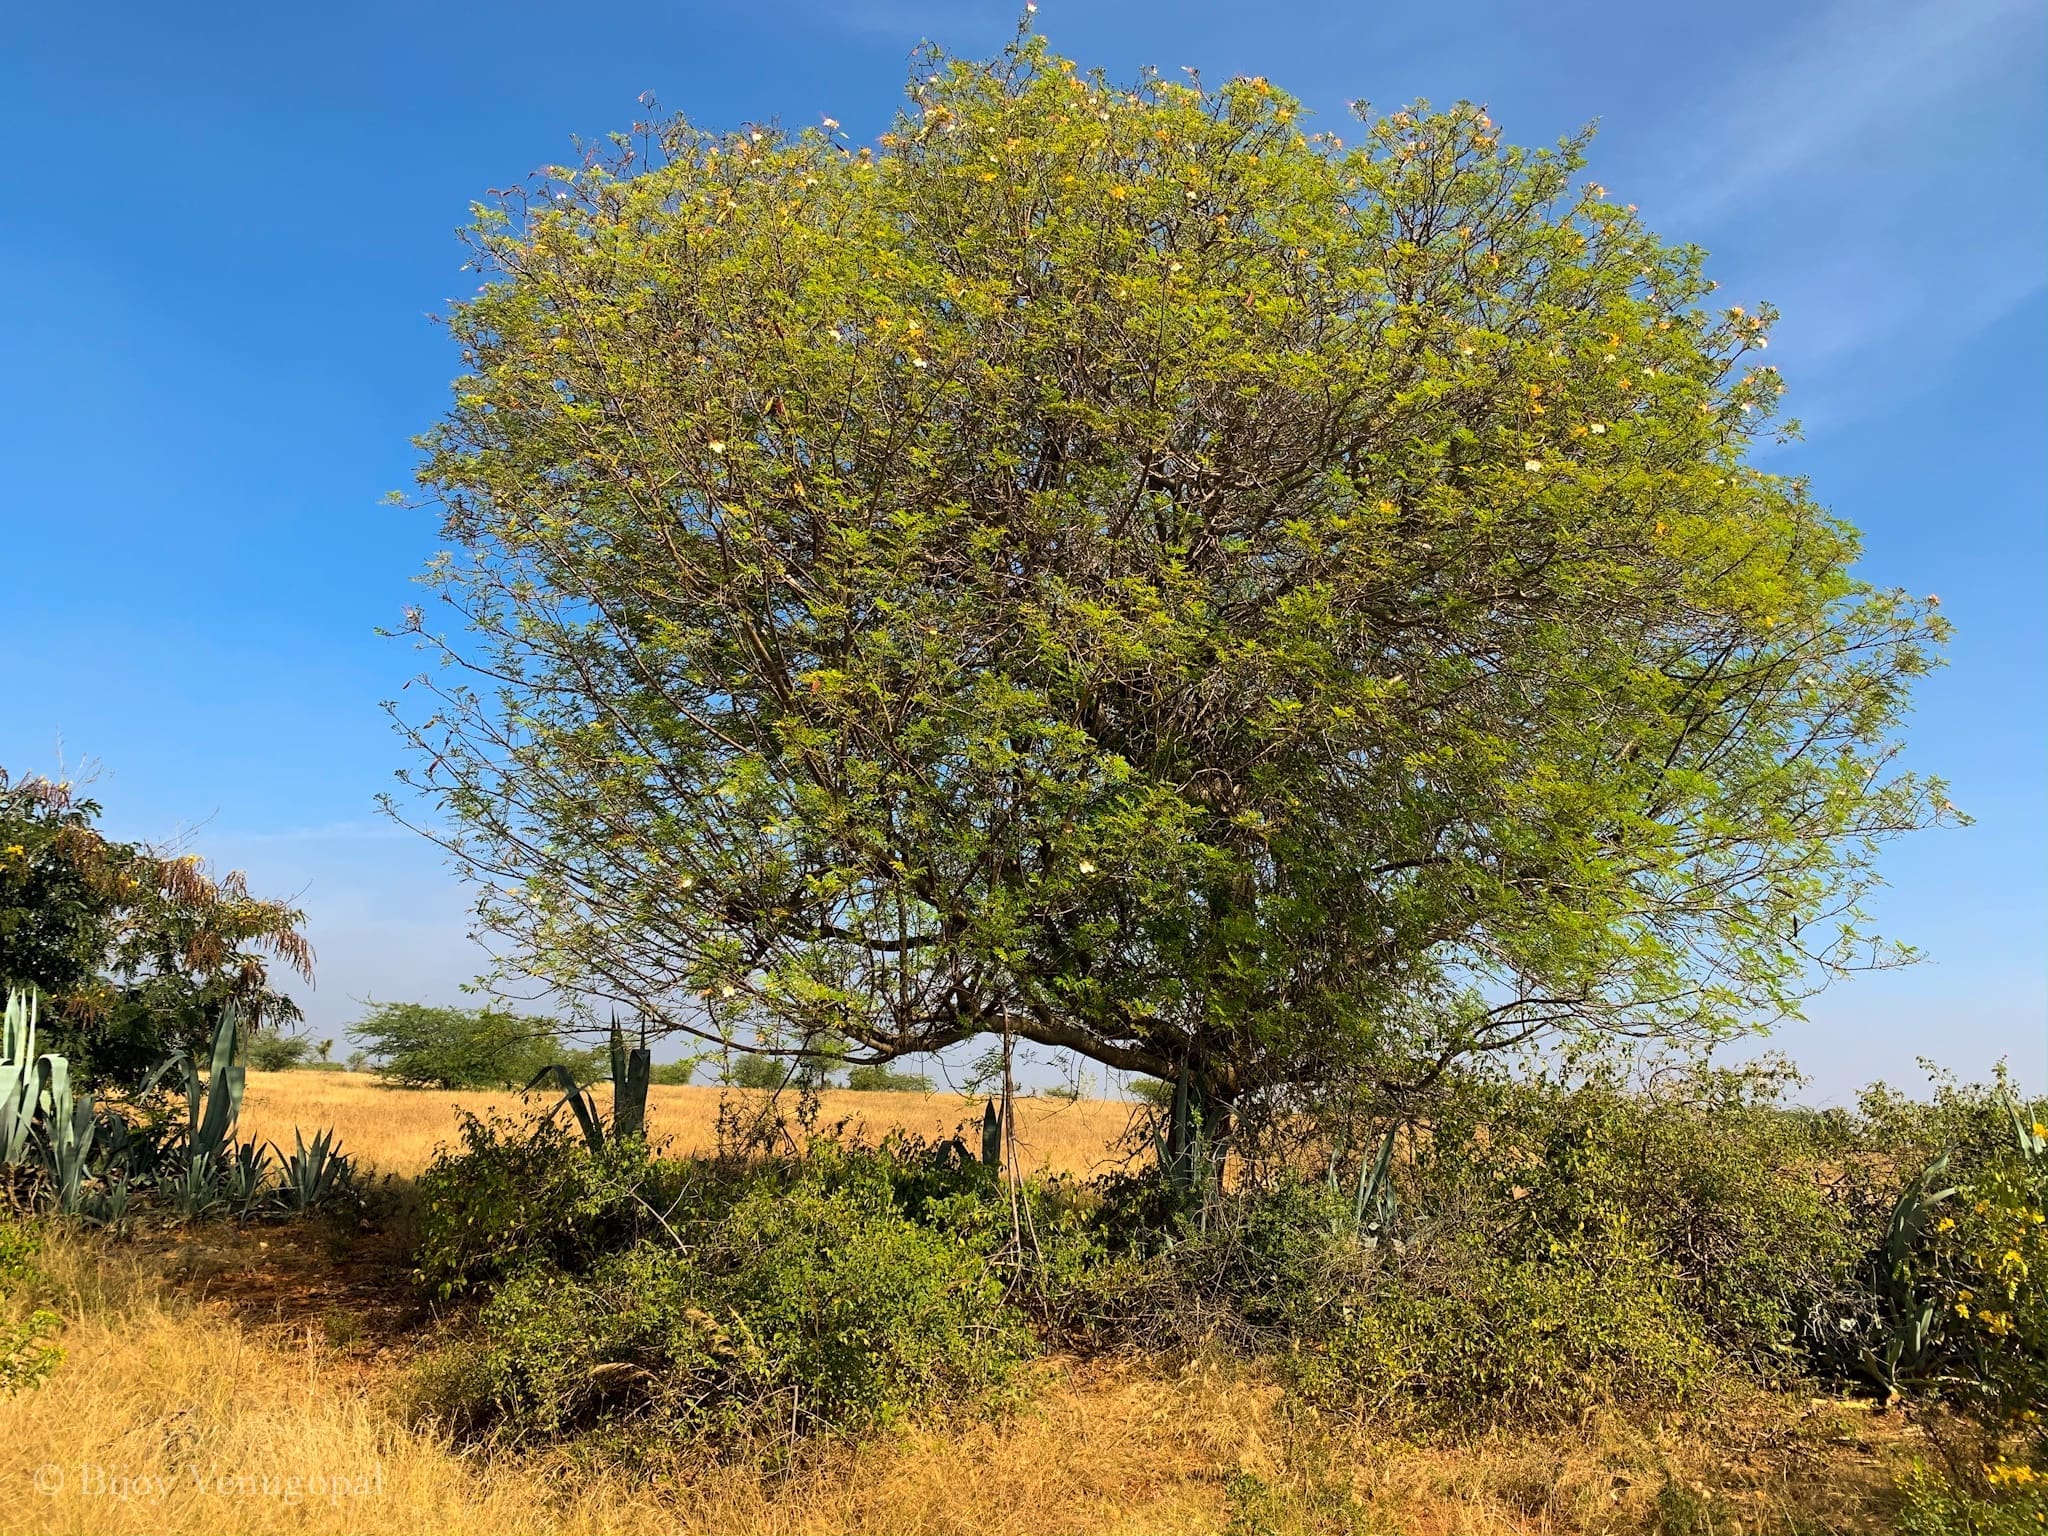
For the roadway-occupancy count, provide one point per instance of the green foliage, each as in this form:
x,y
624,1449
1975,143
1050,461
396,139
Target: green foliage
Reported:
x,y
750,1069
1951,1301
806,1307
424,1046
673,1074
1751,1209
531,1193
28,1353
314,1174
279,1053
878,1079
1234,591
1495,1339
90,1159
136,952
2014,1504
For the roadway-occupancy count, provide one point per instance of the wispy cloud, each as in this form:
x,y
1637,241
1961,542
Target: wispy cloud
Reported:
x,y
1857,173
1857,68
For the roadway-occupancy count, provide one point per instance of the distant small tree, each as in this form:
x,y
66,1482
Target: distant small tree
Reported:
x,y
750,1069
326,1049
877,1079
279,1053
421,1045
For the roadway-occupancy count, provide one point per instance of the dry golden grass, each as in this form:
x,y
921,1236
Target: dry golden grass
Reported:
x,y
183,1408
395,1130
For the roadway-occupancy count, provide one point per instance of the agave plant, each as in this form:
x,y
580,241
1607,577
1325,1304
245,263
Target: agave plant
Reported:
x,y
43,1124
213,1107
1372,1199
20,1079
1184,1146
992,1135
313,1172
246,1175
69,1125
631,1072
197,1189
1905,1322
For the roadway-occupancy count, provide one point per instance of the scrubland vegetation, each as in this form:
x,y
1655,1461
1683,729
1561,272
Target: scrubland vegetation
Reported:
x,y
1573,1303
1293,624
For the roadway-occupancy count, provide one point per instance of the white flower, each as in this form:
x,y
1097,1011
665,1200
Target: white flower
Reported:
x,y
725,991
1532,464
1087,866
716,446
831,122
1599,428
917,362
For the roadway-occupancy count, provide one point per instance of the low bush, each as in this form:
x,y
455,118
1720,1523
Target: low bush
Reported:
x,y
28,1350
1488,1338
2015,1503
518,1194
871,1079
1537,1248
808,1305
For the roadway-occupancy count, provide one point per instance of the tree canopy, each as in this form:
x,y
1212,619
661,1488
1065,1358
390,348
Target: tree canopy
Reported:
x,y
135,949
1109,565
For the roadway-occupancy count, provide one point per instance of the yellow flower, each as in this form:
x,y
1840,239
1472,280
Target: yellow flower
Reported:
x,y
16,851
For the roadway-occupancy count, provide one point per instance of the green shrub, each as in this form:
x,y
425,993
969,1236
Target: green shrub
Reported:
x,y
872,1079
749,1069
1493,1339
422,1046
814,1305
28,1353
2016,1503
518,1194
1951,1301
278,1053
1740,1202
672,1074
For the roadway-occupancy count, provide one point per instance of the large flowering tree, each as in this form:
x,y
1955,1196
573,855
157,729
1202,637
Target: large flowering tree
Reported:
x,y
1108,565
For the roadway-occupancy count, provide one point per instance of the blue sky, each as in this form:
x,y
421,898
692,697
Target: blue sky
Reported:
x,y
225,226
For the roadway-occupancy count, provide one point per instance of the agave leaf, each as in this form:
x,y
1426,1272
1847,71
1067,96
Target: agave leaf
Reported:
x,y
576,1097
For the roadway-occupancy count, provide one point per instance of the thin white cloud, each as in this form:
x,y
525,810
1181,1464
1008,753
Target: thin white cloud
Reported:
x,y
1859,67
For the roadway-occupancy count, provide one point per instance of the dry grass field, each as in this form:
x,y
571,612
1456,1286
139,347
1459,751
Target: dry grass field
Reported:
x,y
233,1382
226,1381
395,1130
